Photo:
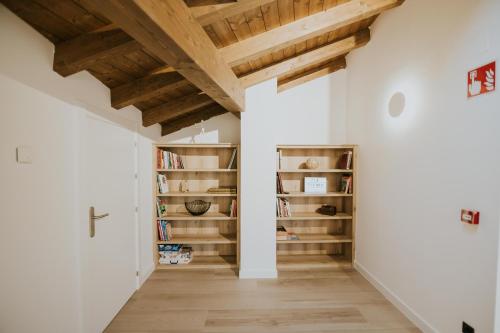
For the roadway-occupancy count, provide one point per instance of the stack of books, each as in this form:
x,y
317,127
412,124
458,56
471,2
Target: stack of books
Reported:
x,y
229,190
283,208
283,234
162,183
233,208
164,230
168,160
346,184
174,254
345,160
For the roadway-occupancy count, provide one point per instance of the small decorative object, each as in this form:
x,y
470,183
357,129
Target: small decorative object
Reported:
x,y
197,207
327,210
184,186
311,163
315,184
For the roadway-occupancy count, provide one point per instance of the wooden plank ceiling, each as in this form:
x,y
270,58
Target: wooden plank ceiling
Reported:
x,y
156,55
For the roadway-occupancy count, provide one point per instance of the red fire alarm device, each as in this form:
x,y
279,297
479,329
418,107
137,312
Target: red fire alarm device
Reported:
x,y
470,216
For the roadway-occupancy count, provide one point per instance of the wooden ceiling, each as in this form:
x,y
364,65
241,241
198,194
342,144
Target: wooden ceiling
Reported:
x,y
181,62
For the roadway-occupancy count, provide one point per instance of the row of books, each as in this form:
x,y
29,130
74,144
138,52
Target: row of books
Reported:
x,y
168,160
233,208
164,230
345,161
175,254
162,183
279,184
283,234
346,184
283,208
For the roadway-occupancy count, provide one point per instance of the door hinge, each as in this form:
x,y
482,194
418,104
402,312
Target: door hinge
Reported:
x,y
137,273
135,175
136,209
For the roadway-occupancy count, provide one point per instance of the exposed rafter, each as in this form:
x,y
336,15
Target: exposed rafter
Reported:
x,y
191,119
162,28
294,80
209,14
145,88
319,55
303,29
82,52
193,3
175,108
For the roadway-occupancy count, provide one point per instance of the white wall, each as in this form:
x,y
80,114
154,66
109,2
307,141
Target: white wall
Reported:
x,y
38,109
313,113
418,170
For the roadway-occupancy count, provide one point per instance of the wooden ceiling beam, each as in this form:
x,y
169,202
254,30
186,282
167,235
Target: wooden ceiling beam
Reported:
x,y
318,55
210,14
145,88
311,74
191,119
82,52
175,108
169,31
303,29
197,3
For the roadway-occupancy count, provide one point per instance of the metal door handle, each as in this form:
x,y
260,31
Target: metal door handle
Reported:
x,y
92,219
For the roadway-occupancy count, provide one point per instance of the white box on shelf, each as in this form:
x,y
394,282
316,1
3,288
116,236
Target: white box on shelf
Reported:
x,y
315,184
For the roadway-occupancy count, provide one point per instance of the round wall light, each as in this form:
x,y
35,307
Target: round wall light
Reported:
x,y
397,104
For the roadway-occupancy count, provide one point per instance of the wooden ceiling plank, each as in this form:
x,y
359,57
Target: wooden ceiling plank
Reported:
x,y
316,56
301,10
210,14
175,108
145,88
168,30
309,75
84,51
194,3
305,28
257,26
239,25
285,9
271,18
315,6
192,119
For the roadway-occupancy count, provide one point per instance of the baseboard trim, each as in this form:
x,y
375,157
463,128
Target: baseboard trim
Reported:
x,y
411,314
258,274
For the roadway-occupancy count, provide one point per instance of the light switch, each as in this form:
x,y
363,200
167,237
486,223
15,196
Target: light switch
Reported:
x,y
24,155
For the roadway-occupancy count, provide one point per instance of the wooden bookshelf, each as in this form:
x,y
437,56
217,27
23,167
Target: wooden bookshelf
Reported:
x,y
213,236
324,241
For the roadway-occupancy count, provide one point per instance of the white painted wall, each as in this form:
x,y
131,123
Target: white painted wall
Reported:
x,y
418,170
38,246
313,113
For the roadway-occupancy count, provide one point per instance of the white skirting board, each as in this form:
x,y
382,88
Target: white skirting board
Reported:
x,y
413,316
258,274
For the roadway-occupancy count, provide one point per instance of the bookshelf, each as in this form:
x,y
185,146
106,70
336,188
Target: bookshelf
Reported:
x,y
213,236
318,241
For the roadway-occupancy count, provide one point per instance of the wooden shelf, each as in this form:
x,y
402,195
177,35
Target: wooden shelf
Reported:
x,y
309,147
317,239
198,145
201,239
204,262
314,171
312,261
185,216
196,194
196,170
314,216
307,195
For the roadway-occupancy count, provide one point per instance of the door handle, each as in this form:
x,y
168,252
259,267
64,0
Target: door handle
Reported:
x,y
92,219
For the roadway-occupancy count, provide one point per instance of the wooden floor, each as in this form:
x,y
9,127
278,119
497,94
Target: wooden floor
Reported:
x,y
330,301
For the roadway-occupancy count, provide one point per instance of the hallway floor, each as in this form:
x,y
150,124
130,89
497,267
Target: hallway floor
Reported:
x,y
330,301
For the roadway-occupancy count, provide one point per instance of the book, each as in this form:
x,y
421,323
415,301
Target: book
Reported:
x,y
231,190
279,184
283,208
233,208
283,234
346,184
170,160
162,183
345,161
231,161
161,208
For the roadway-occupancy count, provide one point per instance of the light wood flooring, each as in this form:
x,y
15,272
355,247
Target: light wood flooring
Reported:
x,y
332,301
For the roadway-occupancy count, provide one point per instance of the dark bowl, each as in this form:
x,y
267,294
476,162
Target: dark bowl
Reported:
x,y
327,210
197,207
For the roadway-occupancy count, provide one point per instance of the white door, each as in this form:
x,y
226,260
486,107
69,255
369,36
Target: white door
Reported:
x,y
107,182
